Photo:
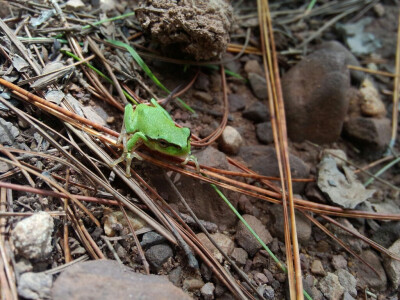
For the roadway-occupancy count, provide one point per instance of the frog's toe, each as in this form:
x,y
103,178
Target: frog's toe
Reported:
x,y
117,161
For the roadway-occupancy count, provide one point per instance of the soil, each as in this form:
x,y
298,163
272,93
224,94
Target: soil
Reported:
x,y
321,257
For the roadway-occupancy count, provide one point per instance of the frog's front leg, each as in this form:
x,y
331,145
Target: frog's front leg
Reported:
x,y
194,160
130,145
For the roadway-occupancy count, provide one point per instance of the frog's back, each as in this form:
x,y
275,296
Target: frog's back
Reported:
x,y
152,120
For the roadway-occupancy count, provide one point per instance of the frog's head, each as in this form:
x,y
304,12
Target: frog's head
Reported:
x,y
177,144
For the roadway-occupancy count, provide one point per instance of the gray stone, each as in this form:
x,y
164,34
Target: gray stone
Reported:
x,y
269,293
32,236
230,140
342,189
202,82
316,294
35,285
107,279
151,238
303,225
315,94
240,256
246,240
257,112
355,243
330,287
367,277
236,102
348,281
371,135
347,296
387,234
207,291
175,275
264,132
8,132
339,262
157,255
258,85
392,266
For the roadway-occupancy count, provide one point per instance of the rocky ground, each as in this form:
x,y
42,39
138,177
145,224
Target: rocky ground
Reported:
x,y
339,120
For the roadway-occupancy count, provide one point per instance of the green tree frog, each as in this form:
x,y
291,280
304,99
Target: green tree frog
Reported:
x,y
154,127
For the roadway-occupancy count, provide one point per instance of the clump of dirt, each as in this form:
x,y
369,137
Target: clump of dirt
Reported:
x,y
197,28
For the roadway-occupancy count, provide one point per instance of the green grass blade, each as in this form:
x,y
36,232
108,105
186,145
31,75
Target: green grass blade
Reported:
x,y
381,171
227,72
147,70
108,20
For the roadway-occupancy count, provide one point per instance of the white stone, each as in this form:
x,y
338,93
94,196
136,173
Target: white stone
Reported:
x,y
32,236
35,285
230,140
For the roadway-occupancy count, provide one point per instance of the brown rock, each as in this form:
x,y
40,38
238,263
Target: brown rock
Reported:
x,y
317,267
371,135
246,240
107,279
371,104
315,94
253,66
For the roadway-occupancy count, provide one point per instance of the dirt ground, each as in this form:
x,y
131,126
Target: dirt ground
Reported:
x,y
141,221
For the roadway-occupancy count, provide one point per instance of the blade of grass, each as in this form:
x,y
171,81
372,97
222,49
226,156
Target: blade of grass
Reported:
x,y
381,171
227,72
396,91
147,70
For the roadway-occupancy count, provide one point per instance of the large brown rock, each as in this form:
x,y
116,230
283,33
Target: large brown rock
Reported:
x,y
107,279
315,94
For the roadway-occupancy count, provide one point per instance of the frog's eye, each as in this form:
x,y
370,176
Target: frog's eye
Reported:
x,y
163,143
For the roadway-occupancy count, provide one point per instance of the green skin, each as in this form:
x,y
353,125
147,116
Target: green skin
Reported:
x,y
154,127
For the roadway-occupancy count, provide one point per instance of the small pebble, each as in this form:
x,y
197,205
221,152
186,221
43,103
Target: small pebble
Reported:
x,y
191,284
230,140
207,291
32,236
203,96
317,268
260,278
258,85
